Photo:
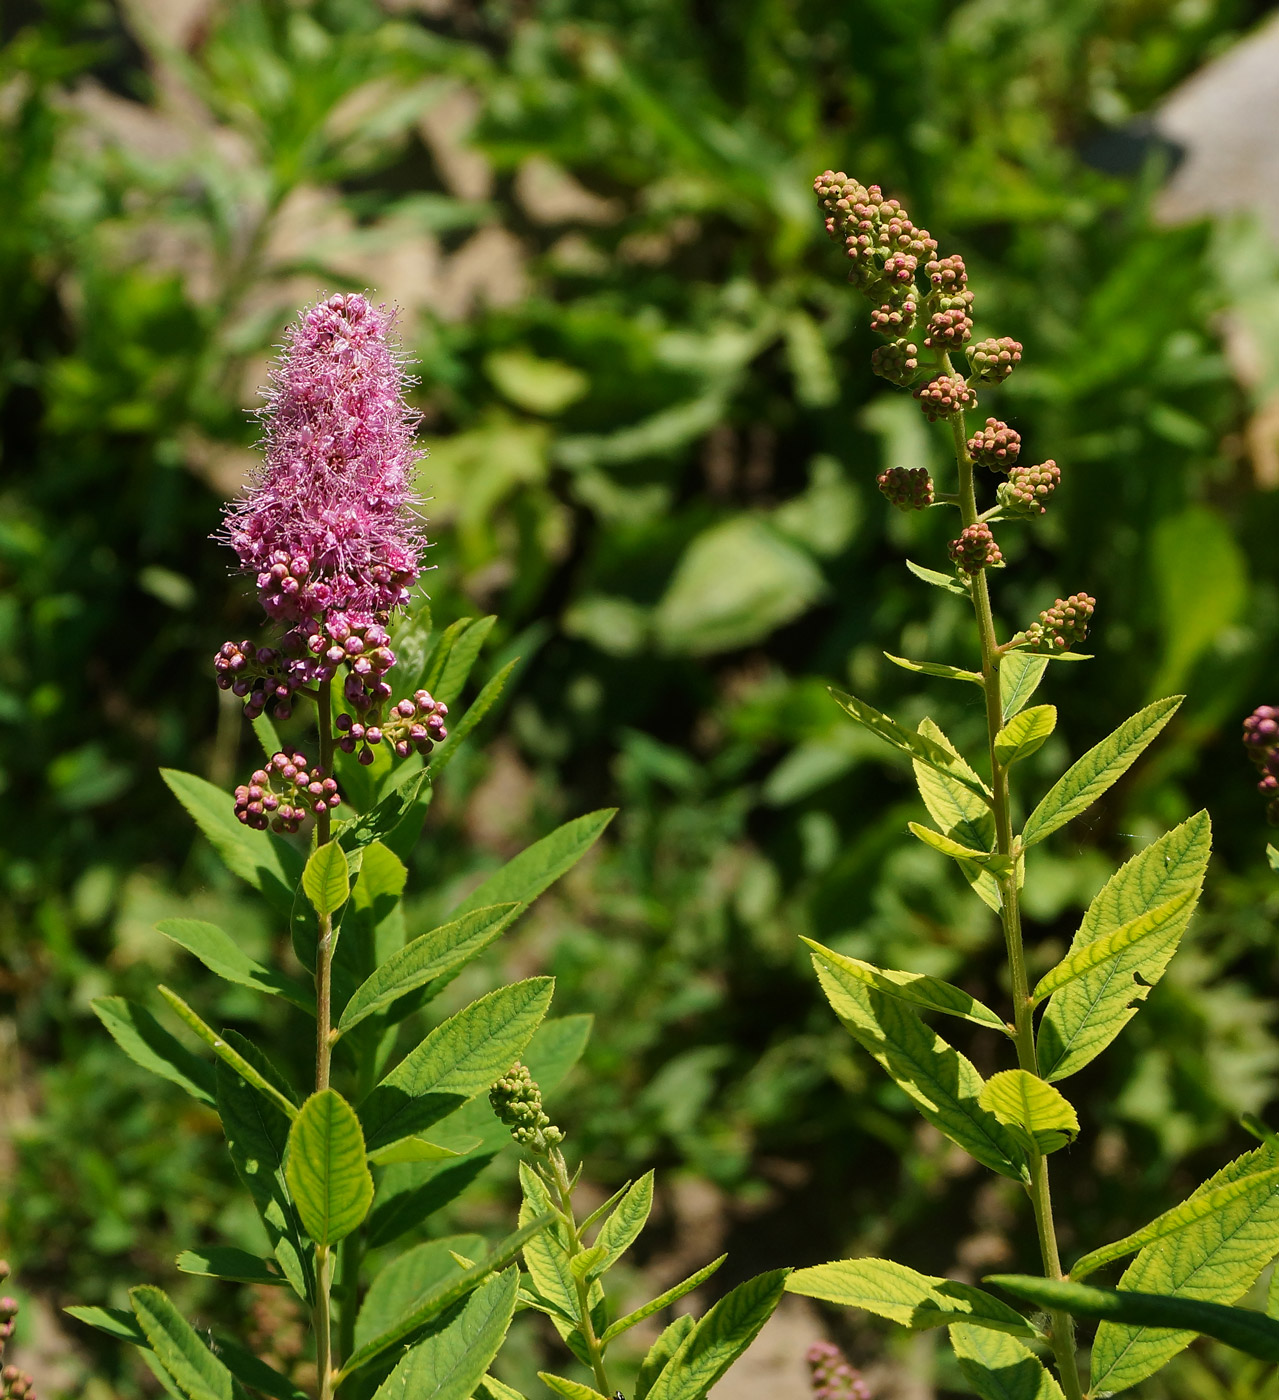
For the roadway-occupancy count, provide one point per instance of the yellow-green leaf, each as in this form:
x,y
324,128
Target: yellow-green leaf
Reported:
x,y
1019,675
328,1178
915,746
999,1367
326,879
991,860
1023,1101
958,811
935,668
1025,733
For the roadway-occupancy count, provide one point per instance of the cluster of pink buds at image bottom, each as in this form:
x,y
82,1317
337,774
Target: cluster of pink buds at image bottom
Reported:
x,y
908,488
284,792
413,726
832,1377
14,1384
975,549
1261,739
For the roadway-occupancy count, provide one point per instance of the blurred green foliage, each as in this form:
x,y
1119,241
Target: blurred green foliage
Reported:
x,y
653,440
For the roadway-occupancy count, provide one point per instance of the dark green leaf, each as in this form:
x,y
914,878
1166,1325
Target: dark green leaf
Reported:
x,y
458,732
178,1347
220,954
148,1044
999,1367
406,1278
225,1261
915,746
668,1342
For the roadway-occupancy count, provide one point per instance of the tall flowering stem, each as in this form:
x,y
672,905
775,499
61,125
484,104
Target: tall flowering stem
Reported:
x,y
330,532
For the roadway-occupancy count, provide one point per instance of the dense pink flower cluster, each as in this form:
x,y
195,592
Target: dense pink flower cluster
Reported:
x,y
1261,739
831,1375
330,527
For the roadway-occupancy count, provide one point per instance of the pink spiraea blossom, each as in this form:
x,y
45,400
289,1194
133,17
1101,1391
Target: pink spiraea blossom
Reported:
x,y
330,526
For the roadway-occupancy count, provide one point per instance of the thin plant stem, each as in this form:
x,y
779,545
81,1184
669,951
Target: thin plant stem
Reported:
x,y
1063,1328
326,1362
594,1350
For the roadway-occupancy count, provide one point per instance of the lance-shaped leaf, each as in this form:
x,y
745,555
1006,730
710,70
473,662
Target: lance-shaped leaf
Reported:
x,y
449,1363
999,1367
943,1085
947,581
959,812
476,711
658,1356
910,1299
570,1390
1088,1012
1217,1259
490,1388
663,1300
460,659
227,1053
1019,675
918,988
719,1338
991,860
523,878
1171,914
1250,1332
147,1043
222,955
419,1149
623,1227
327,878
546,1255
225,1261
1025,734
458,1060
382,820
257,1135
260,858
434,954
403,1281
178,1347
1087,778
915,746
328,1178
441,1296
936,668
112,1322
1255,1187
1035,1110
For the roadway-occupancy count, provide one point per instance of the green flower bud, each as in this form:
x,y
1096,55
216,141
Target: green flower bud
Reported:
x,y
992,361
898,361
1061,627
517,1101
1029,489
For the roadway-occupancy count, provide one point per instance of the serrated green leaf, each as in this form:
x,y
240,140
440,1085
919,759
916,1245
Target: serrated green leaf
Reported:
x,y
571,1390
1025,734
403,1281
546,1255
418,1149
449,1363
999,1367
1250,1332
719,1338
959,812
442,1295
1040,1113
257,1133
918,988
1087,1013
328,1178
1019,675
113,1322
225,1261
490,1388
434,954
147,1043
327,879
178,1347
604,1207
259,858
911,1299
946,581
476,711
223,956
383,819
1216,1260
941,1083
663,1300
460,660
990,860
458,1060
439,654
1091,955
226,1053
658,1356
936,668
1253,1189
1105,763
583,1265
522,879
915,746
623,1227
256,1374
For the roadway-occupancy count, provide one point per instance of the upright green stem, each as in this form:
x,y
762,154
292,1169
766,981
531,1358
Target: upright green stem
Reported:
x,y
564,1189
1063,1327
326,1362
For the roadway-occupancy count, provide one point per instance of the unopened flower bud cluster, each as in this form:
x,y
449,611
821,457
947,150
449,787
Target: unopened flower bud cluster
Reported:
x,y
412,726
284,793
925,316
14,1384
832,1377
517,1101
1261,739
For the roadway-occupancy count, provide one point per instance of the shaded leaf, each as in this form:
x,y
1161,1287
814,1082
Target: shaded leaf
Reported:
x,y
178,1347
406,1278
658,1356
222,955
147,1043
571,1390
915,746
958,811
476,711
999,1367
991,860
1025,734
524,877
225,1261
